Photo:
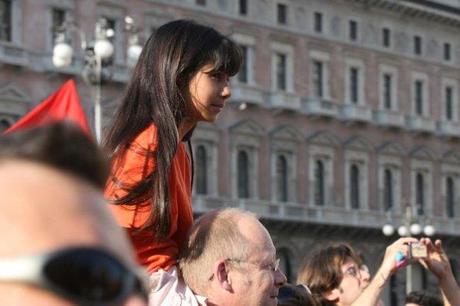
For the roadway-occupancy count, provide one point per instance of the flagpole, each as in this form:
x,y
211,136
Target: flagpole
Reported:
x,y
97,100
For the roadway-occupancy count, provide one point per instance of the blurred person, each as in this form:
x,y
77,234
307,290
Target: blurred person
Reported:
x,y
333,274
418,298
60,244
295,295
229,259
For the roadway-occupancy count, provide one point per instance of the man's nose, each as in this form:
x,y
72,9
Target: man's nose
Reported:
x,y
280,278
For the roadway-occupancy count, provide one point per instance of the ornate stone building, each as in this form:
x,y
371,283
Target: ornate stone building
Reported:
x,y
344,112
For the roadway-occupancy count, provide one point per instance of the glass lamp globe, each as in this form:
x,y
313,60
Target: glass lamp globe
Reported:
x,y
110,32
415,229
61,62
429,230
403,231
388,230
134,51
63,51
103,48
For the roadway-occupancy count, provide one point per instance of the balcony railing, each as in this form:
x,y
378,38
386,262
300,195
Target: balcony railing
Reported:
x,y
319,107
13,55
359,113
449,128
420,124
330,215
243,93
388,118
285,101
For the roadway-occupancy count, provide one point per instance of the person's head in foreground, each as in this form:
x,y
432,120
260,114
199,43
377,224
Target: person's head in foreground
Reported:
x,y
333,275
418,298
60,245
230,259
295,295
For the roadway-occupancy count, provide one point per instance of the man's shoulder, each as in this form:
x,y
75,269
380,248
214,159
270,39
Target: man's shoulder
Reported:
x,y
168,288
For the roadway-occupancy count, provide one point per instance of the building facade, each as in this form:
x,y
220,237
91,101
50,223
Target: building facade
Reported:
x,y
344,113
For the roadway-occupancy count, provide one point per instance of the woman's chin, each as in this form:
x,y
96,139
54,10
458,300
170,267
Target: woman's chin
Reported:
x,y
211,118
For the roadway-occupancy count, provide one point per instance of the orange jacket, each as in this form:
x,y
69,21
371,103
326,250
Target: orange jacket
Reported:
x,y
128,169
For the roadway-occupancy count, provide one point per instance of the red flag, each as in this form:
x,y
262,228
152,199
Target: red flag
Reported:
x,y
64,104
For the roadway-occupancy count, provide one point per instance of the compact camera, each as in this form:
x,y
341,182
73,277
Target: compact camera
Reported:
x,y
417,250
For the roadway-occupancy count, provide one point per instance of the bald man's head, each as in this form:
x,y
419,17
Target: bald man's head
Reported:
x,y
224,239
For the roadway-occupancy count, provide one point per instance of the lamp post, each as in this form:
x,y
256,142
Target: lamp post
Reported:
x,y
96,56
409,228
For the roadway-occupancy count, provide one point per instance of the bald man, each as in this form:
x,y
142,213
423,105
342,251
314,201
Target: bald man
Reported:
x,y
60,245
230,260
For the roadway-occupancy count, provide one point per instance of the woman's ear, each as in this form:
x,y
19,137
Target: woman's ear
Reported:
x,y
222,275
332,295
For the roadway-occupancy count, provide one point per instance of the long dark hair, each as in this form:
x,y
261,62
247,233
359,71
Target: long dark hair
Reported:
x,y
157,93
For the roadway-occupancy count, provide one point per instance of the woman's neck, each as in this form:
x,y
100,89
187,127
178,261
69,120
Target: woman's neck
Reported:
x,y
184,127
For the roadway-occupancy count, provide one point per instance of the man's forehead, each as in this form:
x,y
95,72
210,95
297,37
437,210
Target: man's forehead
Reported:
x,y
258,239
253,231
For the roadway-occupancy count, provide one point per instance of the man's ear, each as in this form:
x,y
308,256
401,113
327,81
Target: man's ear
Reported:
x,y
332,295
221,273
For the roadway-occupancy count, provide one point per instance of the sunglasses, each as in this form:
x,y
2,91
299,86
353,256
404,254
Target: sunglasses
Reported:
x,y
84,275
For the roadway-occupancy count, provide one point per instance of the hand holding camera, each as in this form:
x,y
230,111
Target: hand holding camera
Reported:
x,y
417,250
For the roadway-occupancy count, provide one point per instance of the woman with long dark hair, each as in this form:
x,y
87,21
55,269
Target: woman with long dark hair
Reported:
x,y
181,78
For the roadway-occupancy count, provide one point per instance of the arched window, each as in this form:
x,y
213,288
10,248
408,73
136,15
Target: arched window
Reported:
x,y
419,194
282,178
201,170
450,197
319,183
243,175
4,125
388,190
354,187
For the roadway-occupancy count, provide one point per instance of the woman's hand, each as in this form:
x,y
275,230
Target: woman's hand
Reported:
x,y
396,256
436,261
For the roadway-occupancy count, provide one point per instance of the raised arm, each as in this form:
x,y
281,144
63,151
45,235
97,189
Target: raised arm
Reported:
x,y
371,294
438,263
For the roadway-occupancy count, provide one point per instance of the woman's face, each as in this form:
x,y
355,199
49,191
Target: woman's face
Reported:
x,y
208,92
352,284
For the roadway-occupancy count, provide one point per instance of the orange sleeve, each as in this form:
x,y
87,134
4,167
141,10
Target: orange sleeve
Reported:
x,y
127,170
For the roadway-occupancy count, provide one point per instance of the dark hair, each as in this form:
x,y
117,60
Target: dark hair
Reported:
x,y
423,299
322,272
292,295
157,93
63,146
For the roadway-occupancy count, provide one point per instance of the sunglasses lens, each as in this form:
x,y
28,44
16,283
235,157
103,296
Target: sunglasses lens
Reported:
x,y
89,274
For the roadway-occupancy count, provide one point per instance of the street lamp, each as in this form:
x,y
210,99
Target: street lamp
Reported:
x,y
410,227
96,54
